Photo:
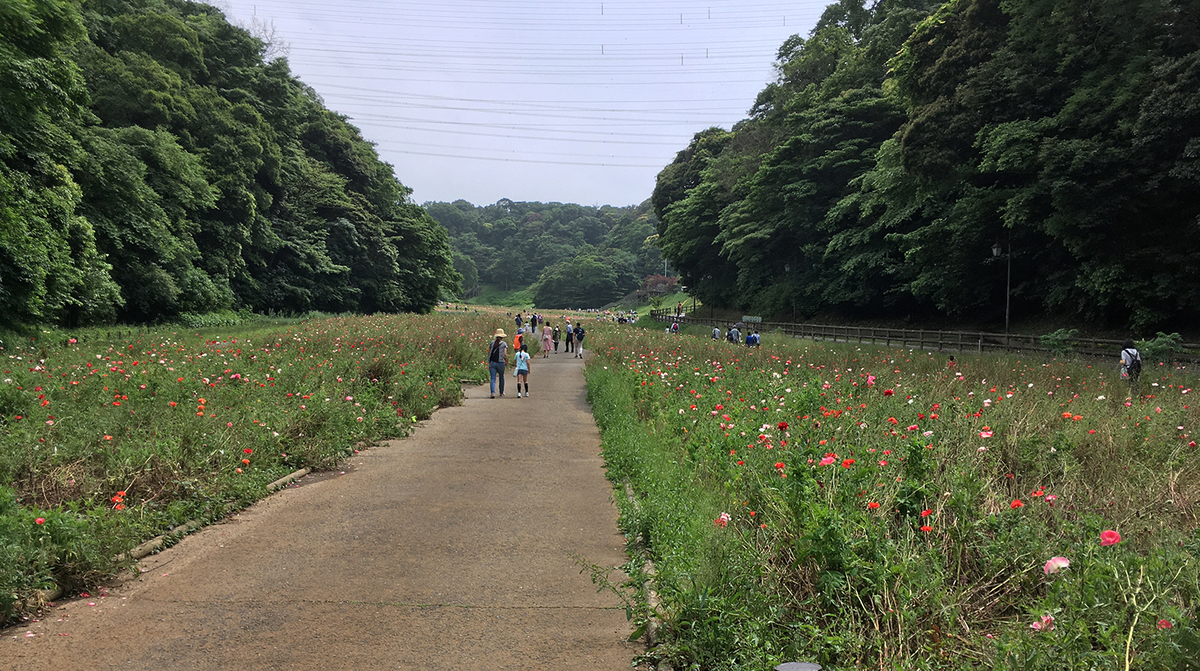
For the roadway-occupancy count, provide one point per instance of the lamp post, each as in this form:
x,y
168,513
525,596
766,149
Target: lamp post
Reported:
x,y
997,250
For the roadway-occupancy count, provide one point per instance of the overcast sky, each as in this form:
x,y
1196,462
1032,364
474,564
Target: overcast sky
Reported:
x,y
532,100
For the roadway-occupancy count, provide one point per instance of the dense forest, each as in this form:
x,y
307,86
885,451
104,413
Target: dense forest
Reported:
x,y
572,255
153,162
905,139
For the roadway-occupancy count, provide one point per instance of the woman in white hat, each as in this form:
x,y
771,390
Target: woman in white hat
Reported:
x,y
497,360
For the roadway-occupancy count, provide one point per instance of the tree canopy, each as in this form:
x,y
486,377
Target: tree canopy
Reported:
x,y
153,163
572,255
903,139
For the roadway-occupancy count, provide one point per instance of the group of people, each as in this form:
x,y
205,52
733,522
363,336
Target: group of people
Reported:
x,y
734,335
550,337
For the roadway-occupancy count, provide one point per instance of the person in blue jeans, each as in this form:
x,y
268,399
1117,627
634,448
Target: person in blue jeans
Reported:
x,y
497,360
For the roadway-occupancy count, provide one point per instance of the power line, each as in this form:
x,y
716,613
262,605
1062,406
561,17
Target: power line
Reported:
x,y
427,96
528,160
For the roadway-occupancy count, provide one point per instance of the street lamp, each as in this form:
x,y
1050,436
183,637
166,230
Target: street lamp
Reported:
x,y
997,250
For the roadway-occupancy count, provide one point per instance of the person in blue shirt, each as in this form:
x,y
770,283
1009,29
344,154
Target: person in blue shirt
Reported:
x,y
523,370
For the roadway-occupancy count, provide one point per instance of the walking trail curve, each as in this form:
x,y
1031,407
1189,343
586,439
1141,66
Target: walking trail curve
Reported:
x,y
454,548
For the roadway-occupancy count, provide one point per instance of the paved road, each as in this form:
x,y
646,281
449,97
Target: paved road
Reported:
x,y
451,549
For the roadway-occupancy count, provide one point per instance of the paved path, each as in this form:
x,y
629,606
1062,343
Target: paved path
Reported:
x,y
451,549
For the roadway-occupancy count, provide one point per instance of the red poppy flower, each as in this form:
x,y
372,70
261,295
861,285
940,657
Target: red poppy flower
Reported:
x,y
1016,504
926,528
872,505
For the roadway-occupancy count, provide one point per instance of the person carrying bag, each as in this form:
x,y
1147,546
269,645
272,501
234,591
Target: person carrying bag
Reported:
x,y
497,360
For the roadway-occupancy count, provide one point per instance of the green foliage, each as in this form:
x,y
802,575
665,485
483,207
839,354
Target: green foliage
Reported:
x,y
901,140
152,164
1059,342
1162,347
874,508
573,256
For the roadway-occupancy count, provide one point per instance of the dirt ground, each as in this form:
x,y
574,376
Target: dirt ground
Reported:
x,y
455,548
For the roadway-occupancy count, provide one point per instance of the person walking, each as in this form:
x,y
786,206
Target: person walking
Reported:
x,y
556,335
497,359
523,370
579,333
547,338
1131,365
570,339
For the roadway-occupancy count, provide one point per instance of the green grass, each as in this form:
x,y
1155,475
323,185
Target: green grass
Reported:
x,y
909,549
493,295
112,436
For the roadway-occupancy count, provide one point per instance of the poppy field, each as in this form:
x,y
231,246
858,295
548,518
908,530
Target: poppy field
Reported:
x,y
887,508
109,439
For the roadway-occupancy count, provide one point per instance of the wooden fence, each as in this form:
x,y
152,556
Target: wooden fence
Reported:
x,y
940,341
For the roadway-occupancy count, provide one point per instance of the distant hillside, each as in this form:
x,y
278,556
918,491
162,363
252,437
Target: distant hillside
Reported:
x,y
570,255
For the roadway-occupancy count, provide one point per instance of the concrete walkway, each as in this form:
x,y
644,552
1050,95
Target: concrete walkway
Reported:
x,y
451,549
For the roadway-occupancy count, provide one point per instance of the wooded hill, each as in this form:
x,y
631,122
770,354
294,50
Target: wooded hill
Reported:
x,y
153,163
572,255
902,140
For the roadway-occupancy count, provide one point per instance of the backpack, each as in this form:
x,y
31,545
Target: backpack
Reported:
x,y
1135,367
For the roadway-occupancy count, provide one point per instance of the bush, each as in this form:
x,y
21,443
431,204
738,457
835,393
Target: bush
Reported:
x,y
1059,342
1162,347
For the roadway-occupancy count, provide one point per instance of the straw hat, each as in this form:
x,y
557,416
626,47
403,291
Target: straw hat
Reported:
x,y
500,333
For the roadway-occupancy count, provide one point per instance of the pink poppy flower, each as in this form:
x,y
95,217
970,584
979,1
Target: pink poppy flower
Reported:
x,y
40,520
1047,624
1055,564
1109,537
1164,624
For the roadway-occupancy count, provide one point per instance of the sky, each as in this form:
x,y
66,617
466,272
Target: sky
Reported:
x,y
531,100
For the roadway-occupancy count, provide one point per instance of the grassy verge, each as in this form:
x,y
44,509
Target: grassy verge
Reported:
x,y
109,437
864,507
493,295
